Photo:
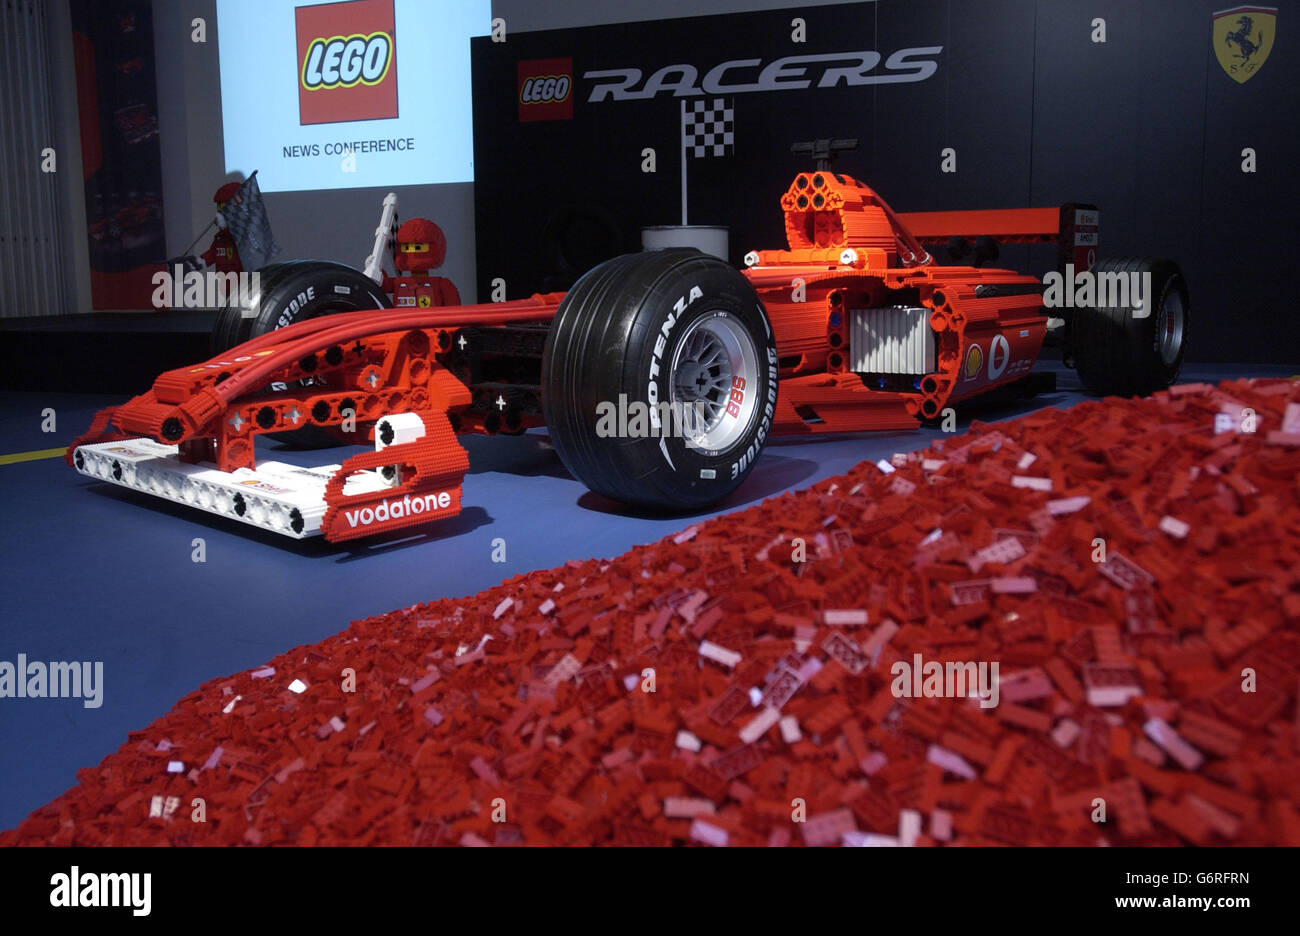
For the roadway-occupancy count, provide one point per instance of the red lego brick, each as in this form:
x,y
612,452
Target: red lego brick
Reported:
x,y
1123,681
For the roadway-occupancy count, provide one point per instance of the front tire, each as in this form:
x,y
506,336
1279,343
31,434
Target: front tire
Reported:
x,y
659,379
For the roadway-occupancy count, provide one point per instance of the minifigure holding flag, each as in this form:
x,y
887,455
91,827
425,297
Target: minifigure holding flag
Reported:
x,y
243,240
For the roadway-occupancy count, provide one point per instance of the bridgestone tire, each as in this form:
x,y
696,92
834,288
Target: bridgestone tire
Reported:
x,y
1119,354
671,326
231,323
294,292
311,289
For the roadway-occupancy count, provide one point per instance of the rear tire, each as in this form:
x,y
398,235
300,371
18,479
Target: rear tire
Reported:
x,y
1118,354
641,330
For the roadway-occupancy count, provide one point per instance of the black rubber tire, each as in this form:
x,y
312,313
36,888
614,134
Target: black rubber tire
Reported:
x,y
312,288
299,290
231,323
1117,354
619,319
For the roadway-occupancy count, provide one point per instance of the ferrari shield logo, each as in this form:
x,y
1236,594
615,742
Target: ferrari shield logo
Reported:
x,y
1243,37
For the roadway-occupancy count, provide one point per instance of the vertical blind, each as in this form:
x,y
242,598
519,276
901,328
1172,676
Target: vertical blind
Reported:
x,y
31,245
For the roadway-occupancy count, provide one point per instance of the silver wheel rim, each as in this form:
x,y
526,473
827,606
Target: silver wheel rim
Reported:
x,y
1169,327
713,353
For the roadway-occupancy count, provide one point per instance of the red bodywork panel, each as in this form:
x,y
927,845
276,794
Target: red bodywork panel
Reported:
x,y
847,251
1014,225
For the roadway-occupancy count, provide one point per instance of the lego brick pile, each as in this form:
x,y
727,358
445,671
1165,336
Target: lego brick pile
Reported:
x,y
735,683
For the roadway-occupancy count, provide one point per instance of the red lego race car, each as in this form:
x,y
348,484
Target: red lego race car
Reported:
x,y
659,375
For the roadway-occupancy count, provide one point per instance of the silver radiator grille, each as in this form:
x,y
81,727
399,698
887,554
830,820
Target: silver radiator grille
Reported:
x,y
892,340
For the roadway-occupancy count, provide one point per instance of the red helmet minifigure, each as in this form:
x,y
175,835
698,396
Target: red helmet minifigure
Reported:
x,y
421,245
225,194
421,249
222,254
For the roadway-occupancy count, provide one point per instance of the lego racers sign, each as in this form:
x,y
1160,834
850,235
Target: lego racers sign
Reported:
x,y
345,61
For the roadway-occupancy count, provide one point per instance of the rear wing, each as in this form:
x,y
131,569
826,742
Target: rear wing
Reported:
x,y
1072,227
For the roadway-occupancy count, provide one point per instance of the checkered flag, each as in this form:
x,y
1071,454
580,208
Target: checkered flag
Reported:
x,y
245,218
708,127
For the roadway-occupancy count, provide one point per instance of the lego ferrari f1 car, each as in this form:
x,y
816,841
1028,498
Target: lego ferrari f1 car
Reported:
x,y
855,326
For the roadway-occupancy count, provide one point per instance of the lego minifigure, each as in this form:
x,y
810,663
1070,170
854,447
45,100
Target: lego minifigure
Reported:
x,y
222,255
421,249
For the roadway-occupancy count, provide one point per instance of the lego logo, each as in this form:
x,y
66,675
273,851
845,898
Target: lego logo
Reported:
x,y
347,61
545,89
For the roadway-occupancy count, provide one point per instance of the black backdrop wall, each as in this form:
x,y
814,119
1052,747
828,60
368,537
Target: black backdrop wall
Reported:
x,y
1147,125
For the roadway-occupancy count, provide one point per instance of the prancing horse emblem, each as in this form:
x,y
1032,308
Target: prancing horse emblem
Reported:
x,y
1243,38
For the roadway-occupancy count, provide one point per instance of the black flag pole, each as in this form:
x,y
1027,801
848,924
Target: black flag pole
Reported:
x,y
198,237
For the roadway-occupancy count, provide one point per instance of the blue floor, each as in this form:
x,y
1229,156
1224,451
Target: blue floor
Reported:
x,y
95,572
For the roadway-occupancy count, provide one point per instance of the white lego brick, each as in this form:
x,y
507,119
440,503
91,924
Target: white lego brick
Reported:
x,y
405,427
1162,734
711,651
688,742
909,827
706,833
284,499
759,724
868,840
682,807
1174,527
950,761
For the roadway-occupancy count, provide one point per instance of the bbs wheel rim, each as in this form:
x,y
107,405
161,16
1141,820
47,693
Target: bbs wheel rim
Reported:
x,y
1169,327
712,383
